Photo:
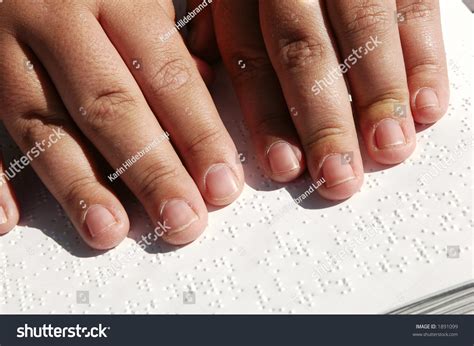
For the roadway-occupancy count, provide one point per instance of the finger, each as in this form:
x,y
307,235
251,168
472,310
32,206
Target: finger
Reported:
x,y
37,121
425,58
301,50
206,71
106,103
168,8
255,81
372,56
9,210
203,67
201,37
177,95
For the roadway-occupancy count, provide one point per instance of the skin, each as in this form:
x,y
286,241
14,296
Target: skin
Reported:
x,y
99,72
288,45
84,79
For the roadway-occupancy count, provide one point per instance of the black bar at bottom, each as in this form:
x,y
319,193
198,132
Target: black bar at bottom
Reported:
x,y
242,330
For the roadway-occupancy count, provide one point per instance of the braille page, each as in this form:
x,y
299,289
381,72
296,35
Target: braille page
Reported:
x,y
405,235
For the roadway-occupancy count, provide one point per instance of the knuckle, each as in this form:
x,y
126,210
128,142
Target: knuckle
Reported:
x,y
298,52
38,125
419,10
366,17
171,76
430,65
203,141
155,177
107,107
269,122
76,189
329,133
250,67
387,97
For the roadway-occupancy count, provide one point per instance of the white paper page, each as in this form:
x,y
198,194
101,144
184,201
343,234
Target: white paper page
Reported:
x,y
264,253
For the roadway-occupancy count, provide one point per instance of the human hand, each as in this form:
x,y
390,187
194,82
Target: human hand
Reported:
x,y
92,80
283,58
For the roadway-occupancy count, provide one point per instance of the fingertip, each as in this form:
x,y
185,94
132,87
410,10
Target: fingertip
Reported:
x,y
9,217
104,227
9,211
180,222
222,184
285,162
342,191
188,235
429,105
391,141
341,176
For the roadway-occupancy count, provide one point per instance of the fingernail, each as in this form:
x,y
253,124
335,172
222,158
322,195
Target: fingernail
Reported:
x,y
337,170
220,182
177,215
3,216
282,158
389,134
99,220
426,98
